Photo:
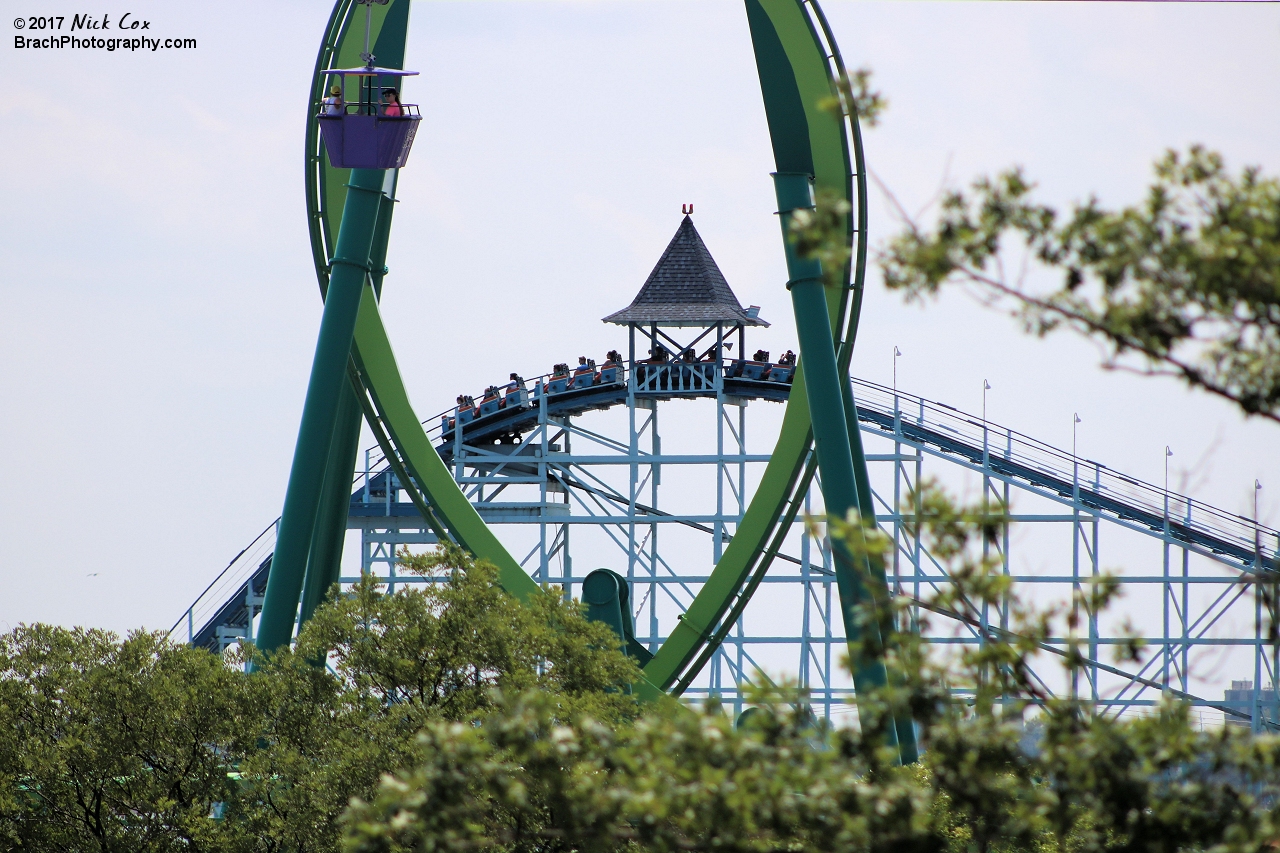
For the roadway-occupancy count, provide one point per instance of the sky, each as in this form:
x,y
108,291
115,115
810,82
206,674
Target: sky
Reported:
x,y
158,308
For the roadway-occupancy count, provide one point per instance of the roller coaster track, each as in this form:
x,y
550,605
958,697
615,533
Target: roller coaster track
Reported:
x,y
817,151
224,609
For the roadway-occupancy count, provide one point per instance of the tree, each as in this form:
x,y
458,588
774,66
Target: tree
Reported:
x,y
676,780
142,745
1185,284
138,744
527,779
430,652
116,745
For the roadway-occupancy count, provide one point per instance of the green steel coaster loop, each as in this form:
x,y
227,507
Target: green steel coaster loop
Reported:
x,y
797,61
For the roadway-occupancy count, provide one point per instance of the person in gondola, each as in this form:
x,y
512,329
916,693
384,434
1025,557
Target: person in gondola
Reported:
x,y
333,103
391,103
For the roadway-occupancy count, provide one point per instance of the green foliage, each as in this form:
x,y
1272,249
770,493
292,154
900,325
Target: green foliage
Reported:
x,y
1185,284
109,744
431,652
438,648
855,95
1006,766
452,718
1069,779
141,745
675,781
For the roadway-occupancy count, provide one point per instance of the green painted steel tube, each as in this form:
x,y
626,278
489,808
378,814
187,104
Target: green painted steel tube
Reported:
x,y
324,561
320,409
908,746
607,597
317,167
341,48
325,558
818,354
602,597
830,426
382,234
794,78
907,741
794,72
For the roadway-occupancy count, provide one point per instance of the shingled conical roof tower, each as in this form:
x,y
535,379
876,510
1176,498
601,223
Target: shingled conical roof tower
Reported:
x,y
686,288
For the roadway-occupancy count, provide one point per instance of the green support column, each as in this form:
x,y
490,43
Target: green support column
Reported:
x,y
320,410
324,561
830,424
382,233
907,745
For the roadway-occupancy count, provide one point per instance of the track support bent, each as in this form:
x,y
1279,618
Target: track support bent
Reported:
x,y
347,280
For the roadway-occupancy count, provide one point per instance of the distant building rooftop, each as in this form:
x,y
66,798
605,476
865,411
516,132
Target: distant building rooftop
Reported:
x,y
686,288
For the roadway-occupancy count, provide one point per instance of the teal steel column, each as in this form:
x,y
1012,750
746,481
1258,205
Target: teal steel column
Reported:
x,y
320,410
382,233
830,424
907,744
324,560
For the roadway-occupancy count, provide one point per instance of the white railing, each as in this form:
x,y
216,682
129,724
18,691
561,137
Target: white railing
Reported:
x,y
224,586
1147,502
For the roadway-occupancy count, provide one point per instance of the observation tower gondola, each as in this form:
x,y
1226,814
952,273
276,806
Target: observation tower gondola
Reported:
x,y
376,130
368,133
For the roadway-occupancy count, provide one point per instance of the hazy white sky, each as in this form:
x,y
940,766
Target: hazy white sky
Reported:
x,y
158,308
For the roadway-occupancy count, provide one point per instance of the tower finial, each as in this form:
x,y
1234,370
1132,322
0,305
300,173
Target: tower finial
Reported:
x,y
686,209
